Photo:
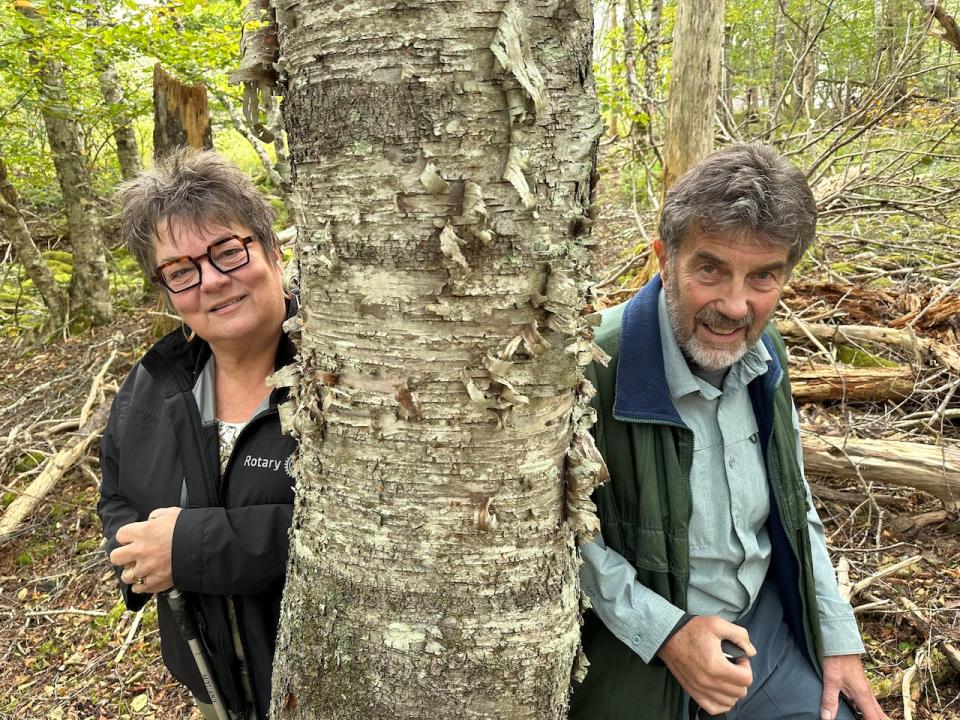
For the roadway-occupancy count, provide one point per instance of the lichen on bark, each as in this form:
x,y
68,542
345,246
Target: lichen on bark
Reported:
x,y
444,469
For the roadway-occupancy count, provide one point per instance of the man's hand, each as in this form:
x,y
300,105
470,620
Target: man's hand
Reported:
x,y
145,550
844,673
694,658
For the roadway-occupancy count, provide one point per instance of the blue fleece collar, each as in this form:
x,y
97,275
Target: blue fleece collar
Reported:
x,y
642,391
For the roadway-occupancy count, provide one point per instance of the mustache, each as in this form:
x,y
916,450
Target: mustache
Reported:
x,y
709,316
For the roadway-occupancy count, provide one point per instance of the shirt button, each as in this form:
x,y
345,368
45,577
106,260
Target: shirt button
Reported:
x,y
636,639
730,462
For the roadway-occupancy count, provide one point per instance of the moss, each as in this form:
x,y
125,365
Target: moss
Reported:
x,y
861,358
29,461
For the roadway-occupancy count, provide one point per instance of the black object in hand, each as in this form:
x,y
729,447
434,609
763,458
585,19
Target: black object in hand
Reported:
x,y
731,651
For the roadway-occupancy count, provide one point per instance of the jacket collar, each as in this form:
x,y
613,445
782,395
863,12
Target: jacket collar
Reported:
x,y
642,392
175,363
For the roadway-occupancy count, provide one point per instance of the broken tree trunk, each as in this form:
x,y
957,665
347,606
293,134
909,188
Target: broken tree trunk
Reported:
x,y
935,470
851,383
181,114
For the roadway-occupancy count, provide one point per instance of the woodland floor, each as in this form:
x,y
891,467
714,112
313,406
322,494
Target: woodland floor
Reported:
x,y
70,650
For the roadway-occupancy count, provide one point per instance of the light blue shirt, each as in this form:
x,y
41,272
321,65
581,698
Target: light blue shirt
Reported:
x,y
729,544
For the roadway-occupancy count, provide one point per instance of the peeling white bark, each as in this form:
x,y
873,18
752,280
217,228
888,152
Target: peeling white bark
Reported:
x,y
442,156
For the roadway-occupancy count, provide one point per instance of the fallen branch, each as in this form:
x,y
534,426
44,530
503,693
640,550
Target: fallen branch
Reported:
x,y
912,523
849,590
851,334
935,470
851,384
131,634
905,339
66,611
822,492
60,463
907,686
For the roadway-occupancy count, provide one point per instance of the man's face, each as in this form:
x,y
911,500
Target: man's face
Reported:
x,y
720,294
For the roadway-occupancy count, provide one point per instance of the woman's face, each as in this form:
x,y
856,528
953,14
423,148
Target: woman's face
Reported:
x,y
237,309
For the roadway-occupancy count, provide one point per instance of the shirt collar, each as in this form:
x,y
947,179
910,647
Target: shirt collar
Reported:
x,y
681,381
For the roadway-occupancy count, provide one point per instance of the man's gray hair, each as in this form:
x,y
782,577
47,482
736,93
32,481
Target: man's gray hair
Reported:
x,y
745,191
194,188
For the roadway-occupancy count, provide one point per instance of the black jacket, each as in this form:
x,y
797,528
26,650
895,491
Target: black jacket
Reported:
x,y
231,537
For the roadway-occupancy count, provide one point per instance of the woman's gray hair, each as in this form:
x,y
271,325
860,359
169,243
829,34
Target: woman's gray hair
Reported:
x,y
195,188
746,191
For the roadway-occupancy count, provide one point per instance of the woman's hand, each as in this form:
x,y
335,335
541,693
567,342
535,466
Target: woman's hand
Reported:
x,y
145,551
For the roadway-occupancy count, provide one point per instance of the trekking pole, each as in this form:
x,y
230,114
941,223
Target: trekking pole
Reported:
x,y
188,628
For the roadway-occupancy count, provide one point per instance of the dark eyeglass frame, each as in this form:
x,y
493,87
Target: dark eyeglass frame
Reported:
x,y
158,278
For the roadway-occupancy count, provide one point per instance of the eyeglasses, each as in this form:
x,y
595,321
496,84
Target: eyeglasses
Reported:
x,y
183,273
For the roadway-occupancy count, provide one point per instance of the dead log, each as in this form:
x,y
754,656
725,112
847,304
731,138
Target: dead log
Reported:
x,y
181,115
906,339
935,470
851,384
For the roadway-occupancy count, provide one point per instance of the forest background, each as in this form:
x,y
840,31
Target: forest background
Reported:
x,y
864,95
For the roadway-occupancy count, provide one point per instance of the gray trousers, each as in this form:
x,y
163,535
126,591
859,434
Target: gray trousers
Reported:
x,y
785,685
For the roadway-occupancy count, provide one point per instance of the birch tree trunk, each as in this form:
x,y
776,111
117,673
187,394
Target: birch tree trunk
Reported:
x,y
442,160
125,139
651,63
89,287
27,252
128,153
777,69
697,41
630,60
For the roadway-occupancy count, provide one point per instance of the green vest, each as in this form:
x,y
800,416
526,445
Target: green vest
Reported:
x,y
645,508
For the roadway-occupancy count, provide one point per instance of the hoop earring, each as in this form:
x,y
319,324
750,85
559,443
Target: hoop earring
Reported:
x,y
187,336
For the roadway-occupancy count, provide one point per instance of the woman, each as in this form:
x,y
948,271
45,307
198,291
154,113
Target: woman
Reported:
x,y
197,493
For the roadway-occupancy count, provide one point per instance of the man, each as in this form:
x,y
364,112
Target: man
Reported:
x,y
708,531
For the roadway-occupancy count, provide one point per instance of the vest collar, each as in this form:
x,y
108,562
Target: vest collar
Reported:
x,y
642,394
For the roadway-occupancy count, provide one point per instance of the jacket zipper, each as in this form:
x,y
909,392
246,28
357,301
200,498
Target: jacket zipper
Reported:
x,y
247,679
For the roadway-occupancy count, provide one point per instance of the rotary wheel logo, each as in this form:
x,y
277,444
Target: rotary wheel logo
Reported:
x,y
288,465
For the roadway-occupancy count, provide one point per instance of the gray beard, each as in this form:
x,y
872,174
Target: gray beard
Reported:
x,y
697,355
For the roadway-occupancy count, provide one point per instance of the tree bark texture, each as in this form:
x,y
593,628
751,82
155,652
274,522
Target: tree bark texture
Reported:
x,y
128,152
89,287
697,42
181,114
27,252
443,158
